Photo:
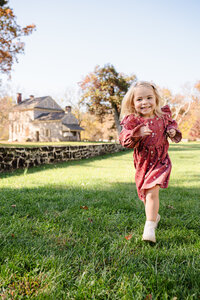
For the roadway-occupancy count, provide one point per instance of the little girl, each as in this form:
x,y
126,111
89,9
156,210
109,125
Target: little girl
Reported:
x,y
146,127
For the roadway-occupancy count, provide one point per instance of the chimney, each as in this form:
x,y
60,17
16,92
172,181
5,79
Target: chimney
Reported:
x,y
68,109
31,97
19,98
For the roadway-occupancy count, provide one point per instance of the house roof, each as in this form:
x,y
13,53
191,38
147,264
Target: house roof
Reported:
x,y
63,117
73,127
50,116
36,103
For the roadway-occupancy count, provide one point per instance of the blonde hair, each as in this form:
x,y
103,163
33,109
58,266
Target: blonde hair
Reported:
x,y
128,106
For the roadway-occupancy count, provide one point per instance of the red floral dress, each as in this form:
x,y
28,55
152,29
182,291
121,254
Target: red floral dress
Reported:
x,y
151,159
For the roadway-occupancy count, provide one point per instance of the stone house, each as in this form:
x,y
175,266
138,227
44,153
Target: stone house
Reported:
x,y
42,119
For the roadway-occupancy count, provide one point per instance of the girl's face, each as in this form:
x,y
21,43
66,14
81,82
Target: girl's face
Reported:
x,y
144,101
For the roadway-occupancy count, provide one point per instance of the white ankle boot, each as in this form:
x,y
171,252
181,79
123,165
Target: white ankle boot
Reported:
x,y
149,231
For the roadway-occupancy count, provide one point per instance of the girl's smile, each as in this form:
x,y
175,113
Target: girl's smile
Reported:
x,y
145,101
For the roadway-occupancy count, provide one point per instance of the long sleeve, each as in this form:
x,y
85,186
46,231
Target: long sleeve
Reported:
x,y
129,136
171,124
177,138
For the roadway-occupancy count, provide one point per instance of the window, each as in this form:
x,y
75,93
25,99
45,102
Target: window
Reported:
x,y
48,132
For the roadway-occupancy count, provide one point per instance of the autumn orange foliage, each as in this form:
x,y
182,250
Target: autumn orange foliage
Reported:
x,y
10,35
128,237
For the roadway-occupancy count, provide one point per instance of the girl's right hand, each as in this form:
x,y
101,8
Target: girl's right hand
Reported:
x,y
171,132
145,130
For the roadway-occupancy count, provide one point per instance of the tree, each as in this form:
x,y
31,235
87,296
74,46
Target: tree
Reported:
x,y
6,105
10,37
180,104
103,91
93,129
72,98
185,107
195,129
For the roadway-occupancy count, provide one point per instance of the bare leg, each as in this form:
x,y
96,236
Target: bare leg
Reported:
x,y
152,203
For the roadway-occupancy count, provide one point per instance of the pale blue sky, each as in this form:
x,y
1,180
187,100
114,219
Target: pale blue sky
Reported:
x,y
153,39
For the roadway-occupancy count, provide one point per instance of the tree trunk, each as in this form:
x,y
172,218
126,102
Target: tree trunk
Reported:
x,y
116,118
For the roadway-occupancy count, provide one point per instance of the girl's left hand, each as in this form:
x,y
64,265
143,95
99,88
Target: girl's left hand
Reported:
x,y
171,132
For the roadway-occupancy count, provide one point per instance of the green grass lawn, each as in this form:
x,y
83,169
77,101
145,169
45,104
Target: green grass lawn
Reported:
x,y
40,144
51,248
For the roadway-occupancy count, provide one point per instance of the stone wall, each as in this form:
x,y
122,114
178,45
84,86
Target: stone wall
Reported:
x,y
19,157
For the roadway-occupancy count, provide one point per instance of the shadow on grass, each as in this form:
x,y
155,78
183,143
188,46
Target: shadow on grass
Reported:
x,y
81,230
117,202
